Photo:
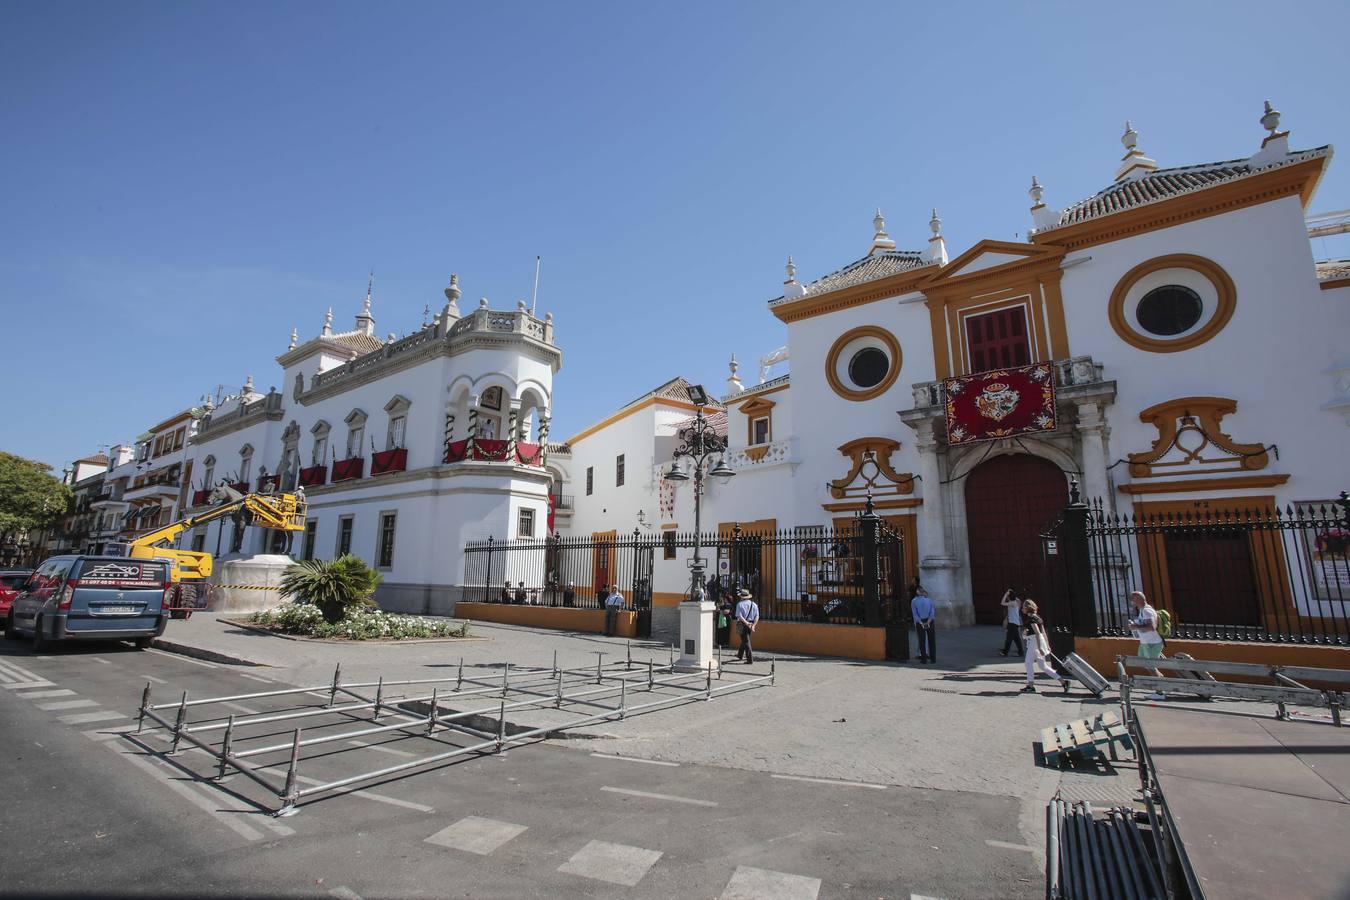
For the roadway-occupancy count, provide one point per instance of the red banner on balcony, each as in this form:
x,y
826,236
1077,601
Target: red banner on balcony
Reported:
x,y
1000,404
395,460
530,454
240,486
199,497
347,469
314,475
492,450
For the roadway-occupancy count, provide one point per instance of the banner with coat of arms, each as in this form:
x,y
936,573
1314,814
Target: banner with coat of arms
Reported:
x,y
1003,403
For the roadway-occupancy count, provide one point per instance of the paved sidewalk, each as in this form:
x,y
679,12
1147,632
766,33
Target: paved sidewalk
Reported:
x,y
960,725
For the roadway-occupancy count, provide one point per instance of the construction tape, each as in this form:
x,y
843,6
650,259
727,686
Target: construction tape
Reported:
x,y
246,587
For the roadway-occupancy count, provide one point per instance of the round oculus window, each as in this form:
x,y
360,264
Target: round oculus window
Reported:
x,y
868,367
1169,310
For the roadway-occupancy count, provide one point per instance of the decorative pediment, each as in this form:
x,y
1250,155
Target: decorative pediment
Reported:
x,y
987,255
757,406
1192,441
871,470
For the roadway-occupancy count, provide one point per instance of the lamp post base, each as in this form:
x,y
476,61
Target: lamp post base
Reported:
x,y
697,650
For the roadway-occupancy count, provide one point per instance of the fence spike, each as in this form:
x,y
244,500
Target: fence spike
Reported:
x,y
379,699
555,662
772,662
557,700
431,722
599,655
292,777
650,679
506,674
145,707
459,681
623,698
501,726
630,655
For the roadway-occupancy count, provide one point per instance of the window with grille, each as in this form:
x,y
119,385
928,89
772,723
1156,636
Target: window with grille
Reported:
x,y
618,471
759,430
590,480
320,451
396,427
668,544
525,524
998,340
344,541
384,557
354,436
311,532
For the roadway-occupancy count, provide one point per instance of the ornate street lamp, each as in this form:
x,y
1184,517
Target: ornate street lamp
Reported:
x,y
703,452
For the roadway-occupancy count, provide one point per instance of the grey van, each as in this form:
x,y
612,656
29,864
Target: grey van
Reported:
x,y
91,598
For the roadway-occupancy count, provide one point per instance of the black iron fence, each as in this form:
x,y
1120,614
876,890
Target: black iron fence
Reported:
x,y
1263,574
853,576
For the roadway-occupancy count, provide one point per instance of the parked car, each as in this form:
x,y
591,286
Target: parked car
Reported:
x,y
10,582
72,598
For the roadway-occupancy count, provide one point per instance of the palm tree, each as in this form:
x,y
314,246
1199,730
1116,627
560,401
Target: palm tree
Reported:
x,y
333,586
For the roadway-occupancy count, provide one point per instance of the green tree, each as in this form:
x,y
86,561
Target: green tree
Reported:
x,y
333,586
31,498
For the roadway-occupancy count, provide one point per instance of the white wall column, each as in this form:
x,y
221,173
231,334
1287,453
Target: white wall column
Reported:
x,y
1092,433
937,568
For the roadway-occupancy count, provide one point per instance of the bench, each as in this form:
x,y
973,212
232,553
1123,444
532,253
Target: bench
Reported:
x,y
1084,739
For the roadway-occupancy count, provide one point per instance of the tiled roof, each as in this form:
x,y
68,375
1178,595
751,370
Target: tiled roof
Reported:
x,y
97,459
718,421
675,389
1333,269
869,268
358,341
1162,184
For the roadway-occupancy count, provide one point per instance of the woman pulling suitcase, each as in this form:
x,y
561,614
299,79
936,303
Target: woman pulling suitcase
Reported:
x,y
1037,646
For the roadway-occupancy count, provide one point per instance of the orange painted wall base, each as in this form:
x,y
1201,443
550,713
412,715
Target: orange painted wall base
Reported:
x,y
848,641
1101,653
559,617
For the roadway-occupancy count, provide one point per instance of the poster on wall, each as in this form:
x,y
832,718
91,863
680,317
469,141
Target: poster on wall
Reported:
x,y
1327,549
1002,403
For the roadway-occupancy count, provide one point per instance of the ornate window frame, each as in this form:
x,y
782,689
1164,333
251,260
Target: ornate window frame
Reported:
x,y
880,336
1224,302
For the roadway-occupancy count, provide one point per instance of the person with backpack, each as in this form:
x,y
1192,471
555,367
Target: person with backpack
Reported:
x,y
1146,626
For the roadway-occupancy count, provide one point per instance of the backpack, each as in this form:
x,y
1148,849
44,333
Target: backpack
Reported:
x,y
1164,623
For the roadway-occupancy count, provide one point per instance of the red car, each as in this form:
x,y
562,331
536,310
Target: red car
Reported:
x,y
11,580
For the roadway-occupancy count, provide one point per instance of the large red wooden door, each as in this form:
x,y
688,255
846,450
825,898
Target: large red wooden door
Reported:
x,y
1010,500
1210,577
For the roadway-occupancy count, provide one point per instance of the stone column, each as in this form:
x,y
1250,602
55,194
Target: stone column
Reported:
x,y
1092,432
936,565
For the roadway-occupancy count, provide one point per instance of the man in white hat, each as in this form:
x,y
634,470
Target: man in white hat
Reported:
x,y
747,617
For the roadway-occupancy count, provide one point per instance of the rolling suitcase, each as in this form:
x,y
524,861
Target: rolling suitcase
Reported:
x,y
1087,676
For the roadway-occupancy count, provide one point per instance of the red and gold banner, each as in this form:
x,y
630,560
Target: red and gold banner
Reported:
x,y
1002,403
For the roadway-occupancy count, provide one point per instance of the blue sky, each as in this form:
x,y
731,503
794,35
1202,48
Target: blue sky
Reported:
x,y
186,182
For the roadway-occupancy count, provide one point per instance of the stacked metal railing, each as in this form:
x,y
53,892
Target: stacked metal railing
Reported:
x,y
555,687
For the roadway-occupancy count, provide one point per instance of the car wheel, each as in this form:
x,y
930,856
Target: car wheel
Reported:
x,y
143,643
11,633
39,642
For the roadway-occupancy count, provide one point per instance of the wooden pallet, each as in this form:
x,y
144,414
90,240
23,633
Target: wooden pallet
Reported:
x,y
1084,739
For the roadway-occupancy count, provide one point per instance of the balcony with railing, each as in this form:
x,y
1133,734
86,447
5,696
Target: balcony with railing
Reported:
x,y
265,408
314,476
1073,376
762,456
153,487
349,469
484,450
385,462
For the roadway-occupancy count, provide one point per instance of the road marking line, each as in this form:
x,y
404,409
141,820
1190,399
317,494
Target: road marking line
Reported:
x,y
85,718
247,710
108,733
1007,846
38,695
187,659
8,668
389,750
154,679
381,798
255,678
65,704
630,793
839,783
193,797
473,834
26,684
99,659
650,762
922,897
614,863
749,883
344,893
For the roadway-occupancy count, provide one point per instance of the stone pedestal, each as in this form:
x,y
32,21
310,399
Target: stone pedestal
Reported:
x,y
696,636
248,584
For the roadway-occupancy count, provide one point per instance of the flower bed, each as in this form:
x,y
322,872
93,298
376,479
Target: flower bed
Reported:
x,y
361,624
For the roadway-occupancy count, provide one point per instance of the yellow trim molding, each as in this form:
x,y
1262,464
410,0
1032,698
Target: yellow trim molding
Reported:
x,y
854,506
1210,412
1223,286
628,411
832,361
1228,483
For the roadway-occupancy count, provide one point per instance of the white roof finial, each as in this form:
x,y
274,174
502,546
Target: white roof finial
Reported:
x,y
366,322
1271,120
451,310
1134,164
295,338
426,313
1036,192
328,322
734,385
1042,216
881,241
248,385
791,288
937,247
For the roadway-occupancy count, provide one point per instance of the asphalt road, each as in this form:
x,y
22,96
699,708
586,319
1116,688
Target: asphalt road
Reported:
x,y
89,810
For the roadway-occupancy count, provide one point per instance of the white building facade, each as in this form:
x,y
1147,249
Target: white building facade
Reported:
x,y
1198,356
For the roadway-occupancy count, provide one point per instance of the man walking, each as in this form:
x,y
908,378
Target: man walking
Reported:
x,y
747,617
613,603
925,624
1012,622
1145,628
